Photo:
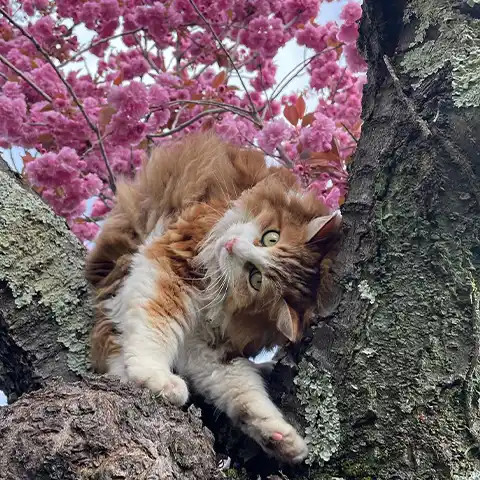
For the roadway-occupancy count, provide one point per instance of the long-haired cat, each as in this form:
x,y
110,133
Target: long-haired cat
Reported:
x,y
208,257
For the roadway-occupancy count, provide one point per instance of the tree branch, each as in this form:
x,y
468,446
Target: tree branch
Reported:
x,y
99,42
187,123
209,26
93,127
46,96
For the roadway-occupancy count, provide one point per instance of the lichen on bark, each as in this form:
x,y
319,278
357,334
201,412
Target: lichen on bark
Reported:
x,y
444,36
41,273
317,397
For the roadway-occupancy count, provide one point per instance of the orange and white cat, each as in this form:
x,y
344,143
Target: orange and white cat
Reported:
x,y
207,258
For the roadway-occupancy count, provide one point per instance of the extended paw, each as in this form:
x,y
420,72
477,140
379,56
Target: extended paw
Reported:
x,y
175,390
280,439
162,382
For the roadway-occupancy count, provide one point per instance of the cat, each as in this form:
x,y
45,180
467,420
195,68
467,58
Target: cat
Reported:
x,y
208,257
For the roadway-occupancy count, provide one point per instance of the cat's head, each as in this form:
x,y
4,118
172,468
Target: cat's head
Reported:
x,y
265,253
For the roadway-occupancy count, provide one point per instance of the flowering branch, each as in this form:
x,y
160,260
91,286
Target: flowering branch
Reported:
x,y
74,119
145,54
187,123
227,107
94,128
227,53
47,97
99,42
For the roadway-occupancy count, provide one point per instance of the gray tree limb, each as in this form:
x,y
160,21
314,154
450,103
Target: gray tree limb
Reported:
x,y
100,429
45,310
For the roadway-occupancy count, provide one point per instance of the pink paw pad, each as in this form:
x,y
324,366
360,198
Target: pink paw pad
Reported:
x,y
277,436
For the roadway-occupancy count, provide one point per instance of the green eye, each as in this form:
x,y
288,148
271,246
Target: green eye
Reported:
x,y
270,238
255,279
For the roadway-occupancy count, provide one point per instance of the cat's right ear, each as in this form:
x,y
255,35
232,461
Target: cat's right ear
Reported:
x,y
321,227
288,321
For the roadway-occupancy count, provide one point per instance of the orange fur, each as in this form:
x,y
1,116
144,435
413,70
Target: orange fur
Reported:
x,y
189,187
170,184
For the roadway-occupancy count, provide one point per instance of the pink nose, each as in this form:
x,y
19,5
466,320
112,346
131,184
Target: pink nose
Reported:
x,y
229,245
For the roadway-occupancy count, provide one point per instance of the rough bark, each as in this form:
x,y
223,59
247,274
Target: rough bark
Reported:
x,y
99,429
44,303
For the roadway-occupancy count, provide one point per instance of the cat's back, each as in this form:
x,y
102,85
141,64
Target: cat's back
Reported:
x,y
199,169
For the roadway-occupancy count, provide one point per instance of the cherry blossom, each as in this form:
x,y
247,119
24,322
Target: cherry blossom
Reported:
x,y
162,70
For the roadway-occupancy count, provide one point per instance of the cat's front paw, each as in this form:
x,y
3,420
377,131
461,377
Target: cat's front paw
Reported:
x,y
175,390
164,383
280,439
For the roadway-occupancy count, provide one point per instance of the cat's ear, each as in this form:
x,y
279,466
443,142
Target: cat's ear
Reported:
x,y
287,321
321,227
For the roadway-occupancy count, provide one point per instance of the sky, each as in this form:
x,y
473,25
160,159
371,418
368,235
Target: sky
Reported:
x,y
287,58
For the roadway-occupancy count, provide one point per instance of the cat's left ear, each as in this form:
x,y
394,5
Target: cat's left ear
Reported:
x,y
288,321
321,227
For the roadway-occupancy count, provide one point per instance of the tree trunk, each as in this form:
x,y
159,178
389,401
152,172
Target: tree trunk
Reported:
x,y
387,386
390,379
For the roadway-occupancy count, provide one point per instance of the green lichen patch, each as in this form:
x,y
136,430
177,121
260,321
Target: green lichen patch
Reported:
x,y
456,43
42,264
316,394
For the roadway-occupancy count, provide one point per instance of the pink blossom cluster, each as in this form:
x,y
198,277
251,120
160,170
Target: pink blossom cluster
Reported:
x,y
170,78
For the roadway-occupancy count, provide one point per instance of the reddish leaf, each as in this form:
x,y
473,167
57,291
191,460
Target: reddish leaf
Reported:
x,y
46,140
219,79
27,158
208,124
47,107
143,144
300,106
291,114
222,60
335,148
330,156
119,78
337,45
105,115
79,220
308,119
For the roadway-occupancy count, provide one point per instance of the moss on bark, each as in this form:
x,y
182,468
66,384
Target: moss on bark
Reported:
x,y
45,311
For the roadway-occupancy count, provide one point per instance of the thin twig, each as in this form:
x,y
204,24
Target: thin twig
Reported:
x,y
46,96
355,139
99,42
284,157
301,65
207,23
230,108
145,54
187,123
94,128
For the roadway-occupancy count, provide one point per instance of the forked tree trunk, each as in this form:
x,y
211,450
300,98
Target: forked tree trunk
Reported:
x,y
399,399
387,387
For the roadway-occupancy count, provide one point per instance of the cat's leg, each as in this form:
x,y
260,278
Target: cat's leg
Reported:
x,y
237,389
151,324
